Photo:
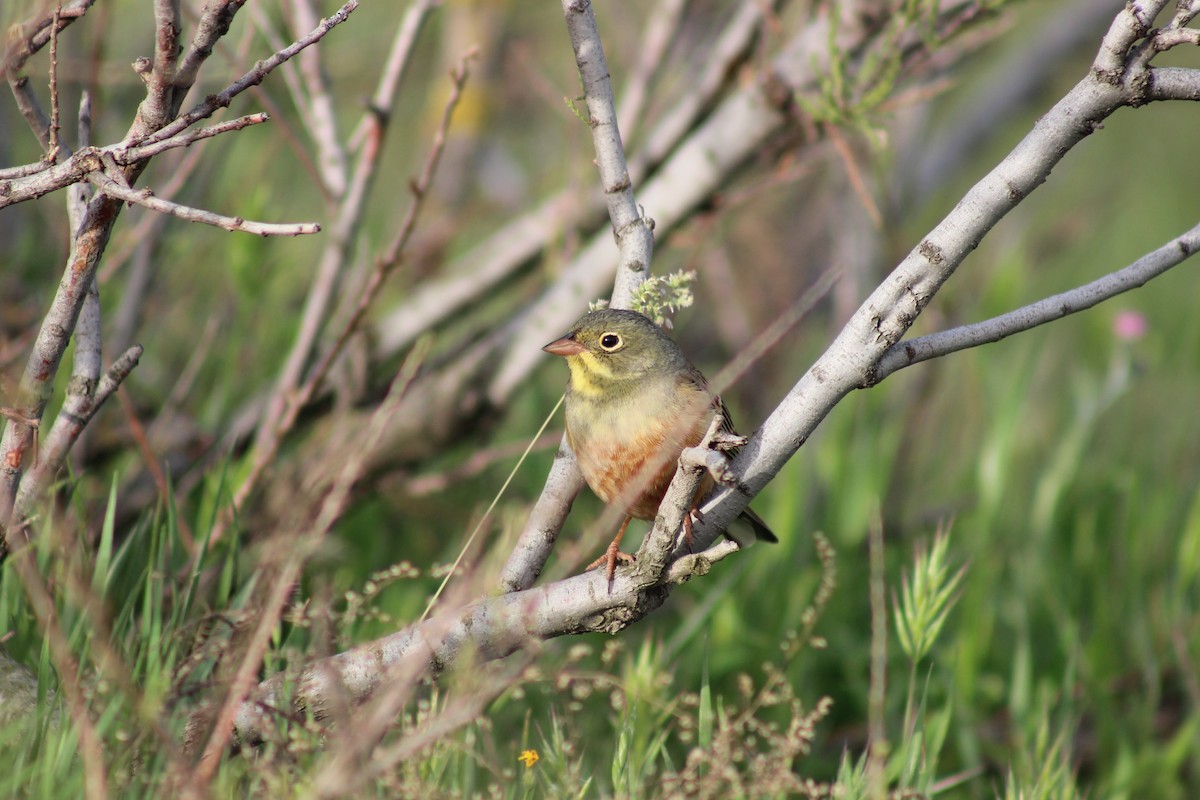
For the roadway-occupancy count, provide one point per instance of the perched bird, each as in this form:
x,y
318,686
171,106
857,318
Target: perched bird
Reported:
x,y
634,402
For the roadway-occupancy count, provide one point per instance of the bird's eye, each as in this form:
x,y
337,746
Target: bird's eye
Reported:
x,y
610,342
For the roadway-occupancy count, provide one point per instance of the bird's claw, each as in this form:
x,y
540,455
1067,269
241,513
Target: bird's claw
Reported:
x,y
610,558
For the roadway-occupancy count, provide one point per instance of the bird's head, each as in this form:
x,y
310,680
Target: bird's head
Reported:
x,y
611,346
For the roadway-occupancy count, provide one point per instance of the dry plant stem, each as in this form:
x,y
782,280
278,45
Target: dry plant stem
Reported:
x,y
878,751
24,40
934,345
331,508
264,454
137,432
319,115
337,252
52,147
24,565
145,197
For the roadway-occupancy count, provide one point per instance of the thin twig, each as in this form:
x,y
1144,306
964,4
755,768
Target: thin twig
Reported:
x,y
347,220
934,345
253,77
31,181
38,32
145,197
52,147
264,454
331,508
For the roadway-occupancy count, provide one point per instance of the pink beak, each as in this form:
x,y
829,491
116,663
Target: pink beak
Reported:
x,y
565,346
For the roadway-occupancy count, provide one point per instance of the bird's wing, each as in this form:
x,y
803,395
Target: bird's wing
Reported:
x,y
695,380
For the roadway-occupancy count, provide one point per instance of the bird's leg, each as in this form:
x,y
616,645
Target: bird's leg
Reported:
x,y
613,554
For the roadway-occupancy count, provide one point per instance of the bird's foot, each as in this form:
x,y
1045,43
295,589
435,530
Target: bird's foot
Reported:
x,y
610,558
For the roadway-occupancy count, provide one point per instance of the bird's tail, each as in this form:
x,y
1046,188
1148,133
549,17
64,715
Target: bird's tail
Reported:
x,y
748,528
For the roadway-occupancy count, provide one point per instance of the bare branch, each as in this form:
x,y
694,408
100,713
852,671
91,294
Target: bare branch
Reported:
x,y
159,103
319,115
252,78
635,238
25,39
145,197
477,272
31,181
85,396
346,223
852,360
1150,266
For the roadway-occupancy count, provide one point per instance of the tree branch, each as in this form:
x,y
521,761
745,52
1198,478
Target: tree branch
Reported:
x,y
914,351
252,78
28,182
145,197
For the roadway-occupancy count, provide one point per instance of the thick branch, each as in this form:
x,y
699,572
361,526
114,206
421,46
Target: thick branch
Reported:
x,y
635,238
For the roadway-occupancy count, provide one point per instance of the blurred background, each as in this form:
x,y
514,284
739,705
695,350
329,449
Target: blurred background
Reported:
x,y
1063,462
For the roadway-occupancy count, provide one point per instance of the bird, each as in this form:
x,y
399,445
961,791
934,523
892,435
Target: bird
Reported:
x,y
633,403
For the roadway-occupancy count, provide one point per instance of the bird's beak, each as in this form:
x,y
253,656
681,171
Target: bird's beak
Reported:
x,y
565,346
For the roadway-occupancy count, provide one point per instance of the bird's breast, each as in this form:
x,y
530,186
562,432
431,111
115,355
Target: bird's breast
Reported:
x,y
627,446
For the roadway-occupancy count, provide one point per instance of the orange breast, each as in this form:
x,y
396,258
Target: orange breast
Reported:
x,y
634,472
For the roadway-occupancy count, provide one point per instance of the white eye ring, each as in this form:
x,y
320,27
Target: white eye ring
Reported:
x,y
610,341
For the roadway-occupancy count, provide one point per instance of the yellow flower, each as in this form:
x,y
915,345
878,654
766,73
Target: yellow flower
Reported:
x,y
528,758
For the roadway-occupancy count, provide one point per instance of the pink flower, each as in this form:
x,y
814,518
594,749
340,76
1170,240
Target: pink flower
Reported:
x,y
1129,326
